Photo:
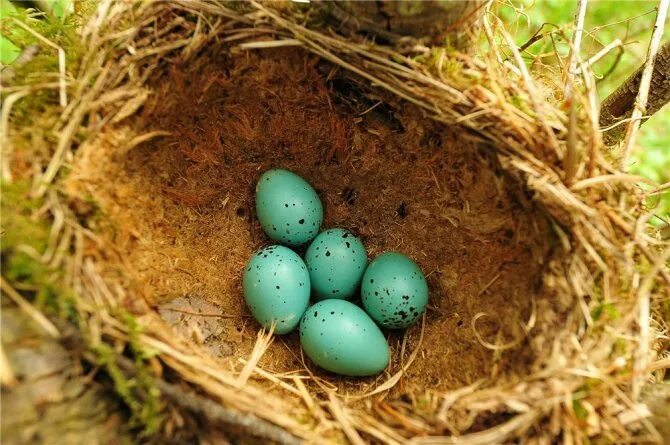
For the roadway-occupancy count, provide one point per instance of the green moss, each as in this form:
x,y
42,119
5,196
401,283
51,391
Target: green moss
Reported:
x,y
410,8
61,32
580,412
150,414
423,403
23,238
18,225
138,391
607,310
21,233
521,104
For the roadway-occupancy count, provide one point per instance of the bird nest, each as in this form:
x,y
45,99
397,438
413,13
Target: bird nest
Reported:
x,y
543,280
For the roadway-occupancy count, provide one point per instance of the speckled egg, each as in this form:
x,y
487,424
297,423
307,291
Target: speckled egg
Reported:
x,y
336,261
288,208
340,337
394,290
276,287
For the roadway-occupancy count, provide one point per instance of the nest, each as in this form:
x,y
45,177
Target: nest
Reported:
x,y
543,279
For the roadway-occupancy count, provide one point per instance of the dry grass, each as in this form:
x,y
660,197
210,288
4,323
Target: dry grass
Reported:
x,y
587,384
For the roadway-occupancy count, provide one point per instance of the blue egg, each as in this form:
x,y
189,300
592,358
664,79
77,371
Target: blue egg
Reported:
x,y
394,290
336,261
340,337
276,288
288,208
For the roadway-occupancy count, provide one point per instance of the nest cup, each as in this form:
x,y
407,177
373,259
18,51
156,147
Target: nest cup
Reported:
x,y
410,157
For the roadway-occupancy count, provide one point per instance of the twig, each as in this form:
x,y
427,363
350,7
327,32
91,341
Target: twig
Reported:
x,y
263,341
497,434
8,73
7,149
643,296
621,122
395,378
531,90
7,377
645,82
347,20
614,65
344,421
658,190
616,43
29,309
576,45
204,314
534,38
216,412
603,179
271,44
486,344
572,156
488,285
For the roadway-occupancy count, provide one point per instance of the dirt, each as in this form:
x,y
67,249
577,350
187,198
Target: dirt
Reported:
x,y
179,209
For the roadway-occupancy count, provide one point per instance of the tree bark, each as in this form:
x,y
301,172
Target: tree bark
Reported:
x,y
619,105
453,23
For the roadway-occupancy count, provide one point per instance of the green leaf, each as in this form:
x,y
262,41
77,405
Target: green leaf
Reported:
x,y
8,51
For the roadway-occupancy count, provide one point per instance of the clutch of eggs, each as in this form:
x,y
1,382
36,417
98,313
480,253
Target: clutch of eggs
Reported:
x,y
335,334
